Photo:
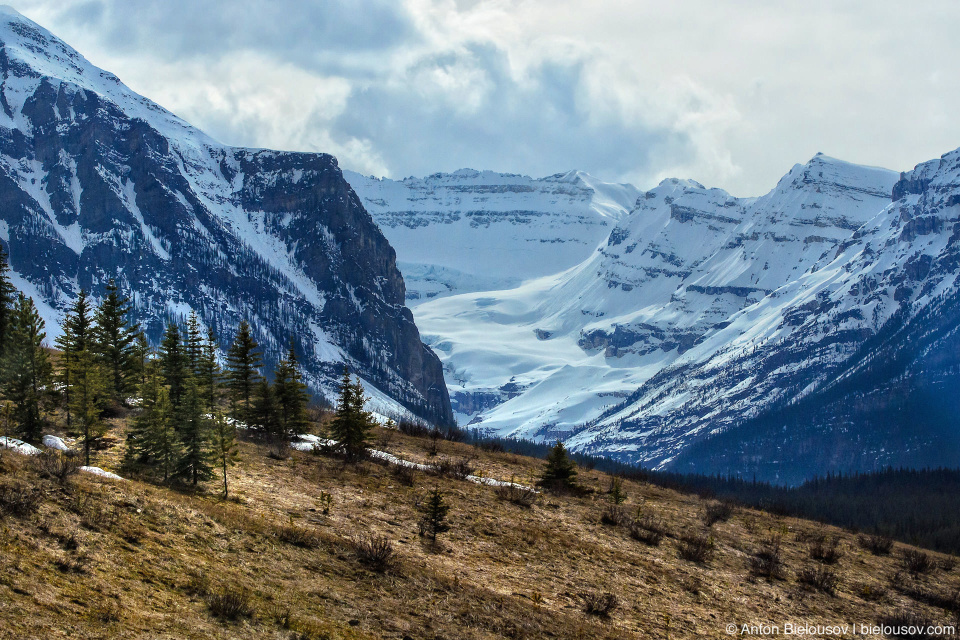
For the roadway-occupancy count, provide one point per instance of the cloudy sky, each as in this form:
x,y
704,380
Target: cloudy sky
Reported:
x,y
729,93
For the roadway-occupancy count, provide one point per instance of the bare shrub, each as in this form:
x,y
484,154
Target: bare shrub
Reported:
x,y
904,619
231,603
19,499
820,578
613,515
717,511
870,593
947,564
298,536
405,475
649,530
456,469
600,604
825,549
412,428
916,561
767,562
517,494
696,547
198,584
76,563
376,552
58,465
876,544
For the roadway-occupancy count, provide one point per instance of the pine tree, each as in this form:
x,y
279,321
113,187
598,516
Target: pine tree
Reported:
x,y
26,368
242,372
76,336
195,463
90,391
291,395
114,337
434,520
208,372
141,357
560,472
152,440
351,425
263,412
193,346
225,452
173,364
7,300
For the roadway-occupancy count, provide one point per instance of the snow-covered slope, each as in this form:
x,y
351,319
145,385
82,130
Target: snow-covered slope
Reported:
x,y
688,276
480,230
98,182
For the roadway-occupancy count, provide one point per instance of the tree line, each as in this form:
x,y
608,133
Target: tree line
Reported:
x,y
190,406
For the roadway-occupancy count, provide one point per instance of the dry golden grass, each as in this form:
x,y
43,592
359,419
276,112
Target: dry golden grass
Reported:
x,y
133,560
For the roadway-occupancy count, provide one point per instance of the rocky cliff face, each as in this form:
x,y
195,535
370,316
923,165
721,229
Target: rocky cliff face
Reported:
x,y
97,182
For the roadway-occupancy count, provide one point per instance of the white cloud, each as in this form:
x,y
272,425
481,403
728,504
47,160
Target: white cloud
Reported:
x,y
731,94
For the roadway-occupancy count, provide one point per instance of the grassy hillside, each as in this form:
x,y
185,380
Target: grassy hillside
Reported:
x,y
94,558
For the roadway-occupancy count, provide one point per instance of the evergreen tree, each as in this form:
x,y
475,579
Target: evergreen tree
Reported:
x,y
291,395
77,333
242,372
26,368
173,364
208,372
90,391
7,300
224,436
351,425
114,338
152,440
434,520
194,344
141,357
263,413
195,463
560,472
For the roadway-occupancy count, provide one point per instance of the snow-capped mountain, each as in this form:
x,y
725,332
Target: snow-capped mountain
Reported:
x,y
98,182
480,230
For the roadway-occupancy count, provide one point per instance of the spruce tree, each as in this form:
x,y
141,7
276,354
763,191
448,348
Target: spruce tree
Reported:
x,y
114,336
195,463
152,440
560,472
434,520
242,372
141,358
7,300
208,372
76,336
263,412
193,345
26,368
225,452
291,395
351,424
90,391
173,364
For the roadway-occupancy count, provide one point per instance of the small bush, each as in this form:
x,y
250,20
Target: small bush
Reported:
x,y
904,619
456,469
717,511
599,604
231,603
947,564
19,499
825,549
871,593
613,515
405,475
57,465
820,578
917,562
72,563
696,547
298,536
376,552
767,562
649,530
876,544
415,429
517,494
